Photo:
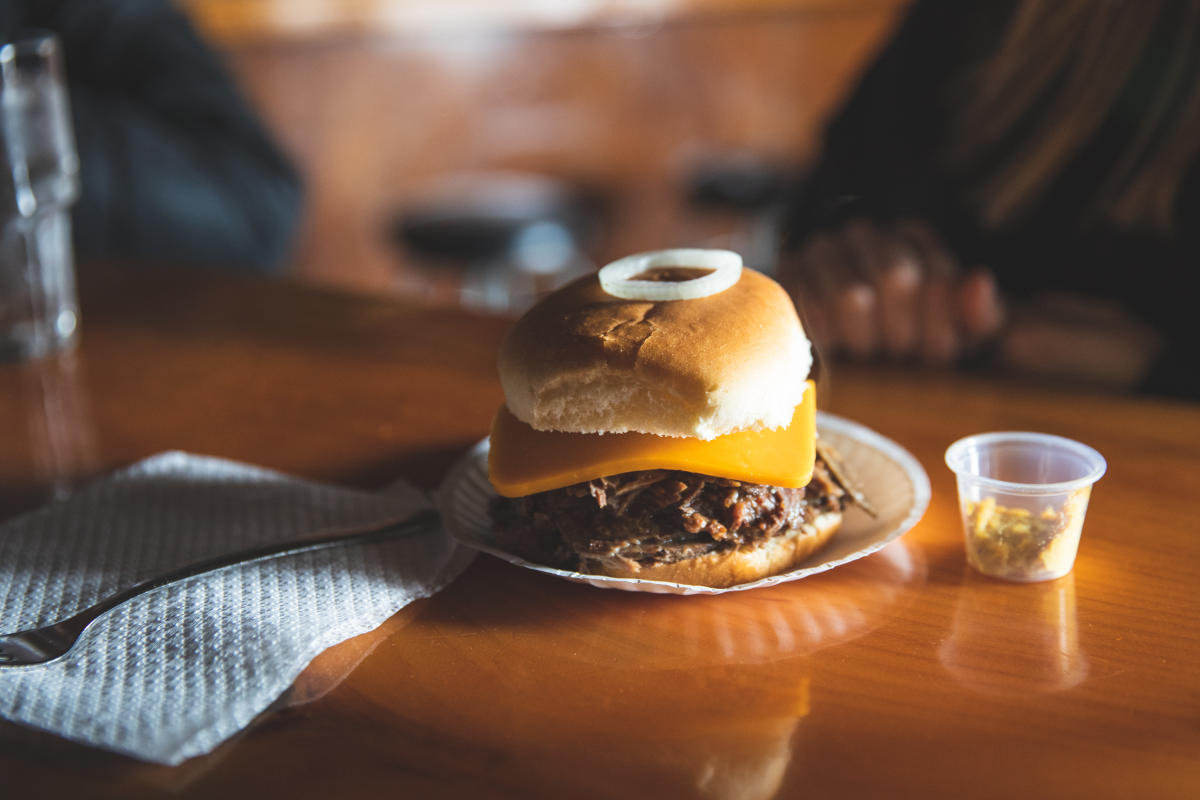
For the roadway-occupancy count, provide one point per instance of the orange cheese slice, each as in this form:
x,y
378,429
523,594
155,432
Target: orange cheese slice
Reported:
x,y
524,461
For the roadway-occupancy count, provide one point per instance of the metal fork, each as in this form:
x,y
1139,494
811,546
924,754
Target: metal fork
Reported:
x,y
43,645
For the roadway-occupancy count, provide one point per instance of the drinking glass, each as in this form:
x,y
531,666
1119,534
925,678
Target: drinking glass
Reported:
x,y
39,181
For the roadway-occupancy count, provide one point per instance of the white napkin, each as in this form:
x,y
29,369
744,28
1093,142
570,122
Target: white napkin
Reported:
x,y
173,673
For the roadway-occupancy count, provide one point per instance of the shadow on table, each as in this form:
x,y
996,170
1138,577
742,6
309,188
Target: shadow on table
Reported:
x,y
425,467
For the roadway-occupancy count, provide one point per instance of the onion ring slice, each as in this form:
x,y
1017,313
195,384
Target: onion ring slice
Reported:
x,y
617,278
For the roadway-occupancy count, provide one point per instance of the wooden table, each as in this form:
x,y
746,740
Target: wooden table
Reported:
x,y
901,675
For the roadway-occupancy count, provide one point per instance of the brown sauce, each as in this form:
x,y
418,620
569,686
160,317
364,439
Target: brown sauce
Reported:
x,y
672,274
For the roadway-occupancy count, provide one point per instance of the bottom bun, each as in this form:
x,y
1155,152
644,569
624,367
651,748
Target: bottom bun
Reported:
x,y
730,567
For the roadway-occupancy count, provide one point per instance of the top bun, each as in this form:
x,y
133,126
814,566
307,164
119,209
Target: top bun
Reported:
x,y
585,361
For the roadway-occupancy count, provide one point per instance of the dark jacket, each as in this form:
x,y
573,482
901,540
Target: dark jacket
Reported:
x,y
174,166
882,158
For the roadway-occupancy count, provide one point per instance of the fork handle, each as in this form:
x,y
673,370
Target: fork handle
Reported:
x,y
382,532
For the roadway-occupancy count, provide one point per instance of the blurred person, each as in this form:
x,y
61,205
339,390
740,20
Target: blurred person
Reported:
x,y
1015,181
174,166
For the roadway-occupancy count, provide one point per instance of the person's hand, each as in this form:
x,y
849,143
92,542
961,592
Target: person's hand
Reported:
x,y
868,290
874,291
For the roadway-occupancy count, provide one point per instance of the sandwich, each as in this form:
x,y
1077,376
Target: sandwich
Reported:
x,y
660,423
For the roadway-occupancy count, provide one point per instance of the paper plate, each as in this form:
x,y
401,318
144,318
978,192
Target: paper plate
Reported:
x,y
892,479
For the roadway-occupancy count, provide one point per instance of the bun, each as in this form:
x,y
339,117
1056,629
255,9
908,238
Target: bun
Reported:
x,y
779,554
585,361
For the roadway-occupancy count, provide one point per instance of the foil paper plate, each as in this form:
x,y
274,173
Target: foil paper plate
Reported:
x,y
892,479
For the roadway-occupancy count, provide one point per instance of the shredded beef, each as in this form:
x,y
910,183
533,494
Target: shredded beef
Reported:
x,y
658,516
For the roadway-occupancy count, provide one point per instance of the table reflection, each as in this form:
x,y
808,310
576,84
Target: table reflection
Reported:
x,y
572,679
1009,639
52,413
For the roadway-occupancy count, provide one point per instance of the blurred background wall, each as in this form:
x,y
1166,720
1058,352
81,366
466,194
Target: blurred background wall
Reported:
x,y
652,124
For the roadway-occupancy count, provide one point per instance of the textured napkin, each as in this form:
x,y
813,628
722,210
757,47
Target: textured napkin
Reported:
x,y
175,672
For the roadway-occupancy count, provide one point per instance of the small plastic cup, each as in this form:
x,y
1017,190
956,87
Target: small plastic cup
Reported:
x,y
1023,497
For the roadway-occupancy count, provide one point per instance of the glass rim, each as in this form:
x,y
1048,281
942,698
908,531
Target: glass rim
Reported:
x,y
956,451
29,42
